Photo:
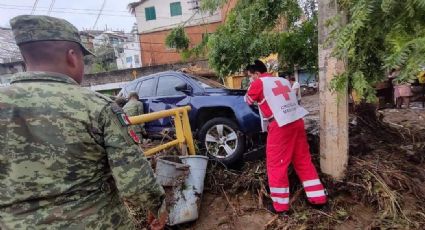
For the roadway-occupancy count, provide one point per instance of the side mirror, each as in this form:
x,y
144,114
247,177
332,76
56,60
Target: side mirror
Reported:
x,y
184,88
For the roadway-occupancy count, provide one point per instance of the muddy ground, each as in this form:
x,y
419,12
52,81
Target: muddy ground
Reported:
x,y
384,187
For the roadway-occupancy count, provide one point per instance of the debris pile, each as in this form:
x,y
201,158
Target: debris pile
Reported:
x,y
384,184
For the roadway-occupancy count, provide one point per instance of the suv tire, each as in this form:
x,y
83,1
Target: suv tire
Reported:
x,y
221,139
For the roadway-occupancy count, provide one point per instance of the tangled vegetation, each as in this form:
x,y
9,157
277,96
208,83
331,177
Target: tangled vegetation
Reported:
x,y
380,35
250,32
177,39
254,29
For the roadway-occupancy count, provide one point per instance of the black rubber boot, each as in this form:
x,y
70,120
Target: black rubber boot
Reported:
x,y
271,209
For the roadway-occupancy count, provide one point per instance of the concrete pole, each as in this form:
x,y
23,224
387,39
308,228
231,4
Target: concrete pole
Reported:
x,y
333,106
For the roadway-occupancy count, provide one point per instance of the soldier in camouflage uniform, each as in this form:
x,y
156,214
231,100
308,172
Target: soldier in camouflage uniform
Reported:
x,y
66,158
134,108
246,81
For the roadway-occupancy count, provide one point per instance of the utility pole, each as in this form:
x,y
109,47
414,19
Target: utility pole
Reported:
x,y
333,105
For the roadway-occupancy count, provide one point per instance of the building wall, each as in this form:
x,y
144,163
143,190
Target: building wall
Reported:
x,y
165,21
124,75
153,32
108,38
155,52
130,57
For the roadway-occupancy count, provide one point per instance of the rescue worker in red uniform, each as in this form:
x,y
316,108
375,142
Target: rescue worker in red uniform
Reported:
x,y
286,140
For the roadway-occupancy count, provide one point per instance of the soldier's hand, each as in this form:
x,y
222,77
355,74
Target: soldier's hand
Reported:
x,y
157,224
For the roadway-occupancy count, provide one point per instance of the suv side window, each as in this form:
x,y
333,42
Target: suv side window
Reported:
x,y
166,86
128,89
146,88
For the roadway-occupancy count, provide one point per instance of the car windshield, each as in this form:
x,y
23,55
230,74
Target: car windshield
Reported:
x,y
206,83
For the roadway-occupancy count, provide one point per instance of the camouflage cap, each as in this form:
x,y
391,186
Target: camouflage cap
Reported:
x,y
32,28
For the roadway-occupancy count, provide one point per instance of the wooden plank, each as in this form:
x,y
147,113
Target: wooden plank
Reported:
x,y
333,106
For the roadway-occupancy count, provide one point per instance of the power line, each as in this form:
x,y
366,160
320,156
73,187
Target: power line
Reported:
x,y
51,7
100,13
62,8
93,12
34,7
157,29
69,10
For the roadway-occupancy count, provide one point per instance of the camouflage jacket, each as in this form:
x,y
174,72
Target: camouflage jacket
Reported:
x,y
245,83
66,159
134,108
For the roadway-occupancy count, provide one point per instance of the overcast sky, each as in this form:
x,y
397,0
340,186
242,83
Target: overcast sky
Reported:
x,y
81,13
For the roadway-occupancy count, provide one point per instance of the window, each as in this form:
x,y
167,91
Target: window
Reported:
x,y
136,59
129,88
129,59
145,88
175,9
166,86
150,13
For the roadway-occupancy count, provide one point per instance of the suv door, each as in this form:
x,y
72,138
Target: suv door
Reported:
x,y
168,97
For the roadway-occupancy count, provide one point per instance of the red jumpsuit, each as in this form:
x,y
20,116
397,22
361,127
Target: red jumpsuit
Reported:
x,y
286,145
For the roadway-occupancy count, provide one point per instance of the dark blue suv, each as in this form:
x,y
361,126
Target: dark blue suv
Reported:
x,y
223,124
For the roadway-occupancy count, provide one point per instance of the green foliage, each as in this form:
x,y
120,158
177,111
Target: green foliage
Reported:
x,y
177,39
249,33
212,5
198,51
104,61
380,35
299,47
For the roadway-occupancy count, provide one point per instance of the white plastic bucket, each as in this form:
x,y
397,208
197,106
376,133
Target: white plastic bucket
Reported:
x,y
188,196
171,171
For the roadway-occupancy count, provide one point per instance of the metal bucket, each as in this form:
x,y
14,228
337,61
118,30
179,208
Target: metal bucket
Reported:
x,y
188,196
171,171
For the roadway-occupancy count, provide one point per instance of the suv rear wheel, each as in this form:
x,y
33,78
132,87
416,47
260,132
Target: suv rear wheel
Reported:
x,y
222,140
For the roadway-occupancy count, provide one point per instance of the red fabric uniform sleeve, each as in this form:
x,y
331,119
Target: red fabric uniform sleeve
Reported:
x,y
255,92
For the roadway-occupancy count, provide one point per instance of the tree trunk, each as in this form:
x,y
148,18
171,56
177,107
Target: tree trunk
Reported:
x,y
333,105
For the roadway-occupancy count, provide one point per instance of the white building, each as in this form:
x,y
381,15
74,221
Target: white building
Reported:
x,y
126,47
129,52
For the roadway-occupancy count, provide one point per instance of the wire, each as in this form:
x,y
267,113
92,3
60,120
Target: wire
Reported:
x,y
171,26
34,7
51,7
62,8
100,13
82,13
70,10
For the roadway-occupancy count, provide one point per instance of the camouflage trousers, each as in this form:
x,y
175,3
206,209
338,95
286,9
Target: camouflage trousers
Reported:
x,y
110,213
